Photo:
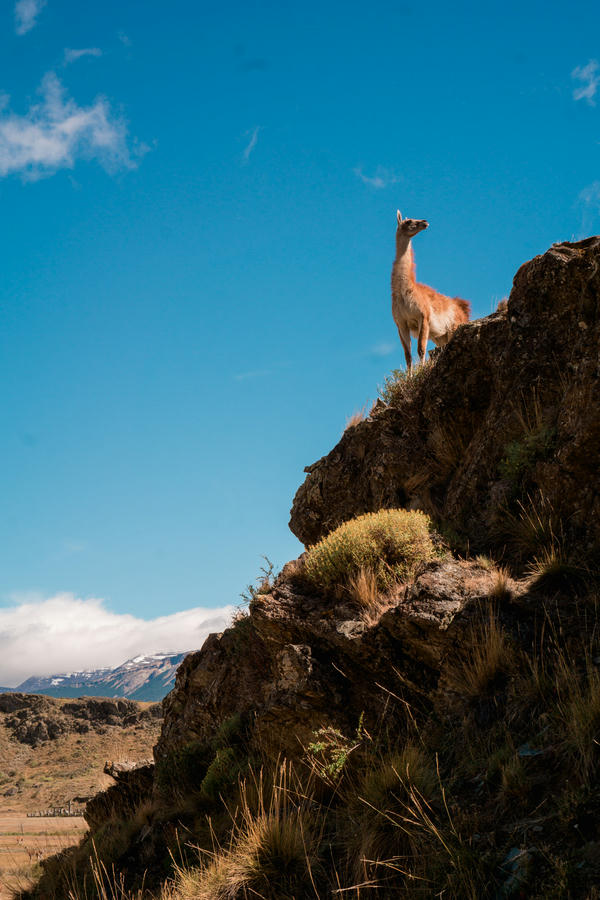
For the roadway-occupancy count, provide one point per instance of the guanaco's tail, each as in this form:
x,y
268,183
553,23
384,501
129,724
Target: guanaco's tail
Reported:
x,y
463,308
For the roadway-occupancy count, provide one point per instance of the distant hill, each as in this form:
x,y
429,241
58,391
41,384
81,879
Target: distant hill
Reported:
x,y
54,750
140,678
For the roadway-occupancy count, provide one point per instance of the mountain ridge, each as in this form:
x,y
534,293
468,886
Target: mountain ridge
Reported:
x,y
143,677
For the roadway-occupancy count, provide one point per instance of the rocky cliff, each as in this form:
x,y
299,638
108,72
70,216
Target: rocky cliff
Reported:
x,y
441,732
511,406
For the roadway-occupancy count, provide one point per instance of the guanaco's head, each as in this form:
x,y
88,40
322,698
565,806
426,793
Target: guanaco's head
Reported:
x,y
410,227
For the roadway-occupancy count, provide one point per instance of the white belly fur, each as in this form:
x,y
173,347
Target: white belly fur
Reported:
x,y
440,324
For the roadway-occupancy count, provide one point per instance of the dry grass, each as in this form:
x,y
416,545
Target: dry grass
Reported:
x,y
70,765
532,528
401,386
489,657
577,712
273,850
378,805
501,585
357,417
448,450
364,592
553,569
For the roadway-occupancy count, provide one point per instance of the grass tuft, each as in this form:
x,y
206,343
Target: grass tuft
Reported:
x,y
554,571
489,657
401,385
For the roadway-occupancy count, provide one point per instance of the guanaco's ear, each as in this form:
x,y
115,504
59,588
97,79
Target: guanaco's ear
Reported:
x,y
398,216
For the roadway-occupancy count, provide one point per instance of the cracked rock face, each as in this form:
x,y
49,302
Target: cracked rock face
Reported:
x,y
302,662
442,448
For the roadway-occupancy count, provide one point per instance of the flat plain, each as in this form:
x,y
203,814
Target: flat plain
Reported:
x,y
25,841
35,778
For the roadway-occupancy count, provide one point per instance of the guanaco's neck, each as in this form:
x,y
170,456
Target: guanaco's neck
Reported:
x,y
404,265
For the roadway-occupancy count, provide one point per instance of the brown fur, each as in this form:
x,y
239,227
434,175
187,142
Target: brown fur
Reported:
x,y
418,309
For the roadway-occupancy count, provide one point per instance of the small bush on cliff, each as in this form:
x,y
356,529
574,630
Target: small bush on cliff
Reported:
x,y
390,543
401,385
520,456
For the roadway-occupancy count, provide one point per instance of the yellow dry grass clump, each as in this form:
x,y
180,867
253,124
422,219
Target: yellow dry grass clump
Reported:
x,y
390,544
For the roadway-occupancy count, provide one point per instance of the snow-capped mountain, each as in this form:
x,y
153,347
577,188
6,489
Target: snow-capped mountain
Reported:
x,y
148,677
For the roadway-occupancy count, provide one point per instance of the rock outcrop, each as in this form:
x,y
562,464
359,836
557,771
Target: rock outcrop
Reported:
x,y
34,719
295,666
532,370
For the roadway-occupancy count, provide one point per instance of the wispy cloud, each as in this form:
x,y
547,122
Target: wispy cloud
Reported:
x,y
589,205
44,636
26,14
381,178
589,76
255,373
71,56
54,133
125,40
251,143
384,348
590,195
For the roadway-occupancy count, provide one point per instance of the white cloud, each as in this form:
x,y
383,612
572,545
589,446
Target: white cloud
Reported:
x,y
54,133
252,142
46,636
589,76
26,13
381,178
71,56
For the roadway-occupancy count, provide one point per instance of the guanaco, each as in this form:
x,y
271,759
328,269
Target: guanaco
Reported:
x,y
417,309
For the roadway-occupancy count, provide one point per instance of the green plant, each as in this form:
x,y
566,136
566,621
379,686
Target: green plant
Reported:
x,y
329,753
222,773
182,770
521,455
390,543
262,584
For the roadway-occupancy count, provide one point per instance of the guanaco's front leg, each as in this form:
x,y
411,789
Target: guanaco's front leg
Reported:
x,y
404,333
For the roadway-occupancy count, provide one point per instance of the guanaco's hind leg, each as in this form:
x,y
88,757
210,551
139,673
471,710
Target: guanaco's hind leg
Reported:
x,y
405,341
423,338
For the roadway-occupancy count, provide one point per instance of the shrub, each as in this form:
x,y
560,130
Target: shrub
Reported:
x,y
390,543
221,774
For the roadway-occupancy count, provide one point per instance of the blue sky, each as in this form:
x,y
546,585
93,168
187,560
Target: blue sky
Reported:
x,y
198,230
